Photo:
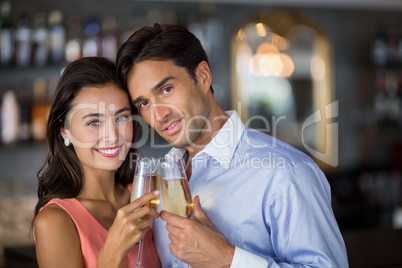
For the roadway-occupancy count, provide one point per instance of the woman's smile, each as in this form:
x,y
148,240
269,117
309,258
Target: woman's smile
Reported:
x,y
109,152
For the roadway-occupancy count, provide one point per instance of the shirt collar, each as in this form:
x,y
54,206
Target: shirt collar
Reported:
x,y
223,144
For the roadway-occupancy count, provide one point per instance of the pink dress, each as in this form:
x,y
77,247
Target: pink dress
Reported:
x,y
93,234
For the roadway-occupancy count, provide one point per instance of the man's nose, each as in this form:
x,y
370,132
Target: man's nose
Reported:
x,y
161,111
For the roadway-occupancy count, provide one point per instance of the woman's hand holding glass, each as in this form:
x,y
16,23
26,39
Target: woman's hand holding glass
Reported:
x,y
127,229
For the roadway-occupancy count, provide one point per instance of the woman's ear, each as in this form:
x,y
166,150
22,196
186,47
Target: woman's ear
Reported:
x,y
64,133
204,75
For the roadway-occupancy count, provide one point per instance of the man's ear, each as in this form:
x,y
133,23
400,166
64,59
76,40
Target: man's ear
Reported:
x,y
204,76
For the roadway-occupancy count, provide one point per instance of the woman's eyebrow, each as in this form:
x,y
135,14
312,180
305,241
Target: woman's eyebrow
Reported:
x,y
122,110
93,115
102,115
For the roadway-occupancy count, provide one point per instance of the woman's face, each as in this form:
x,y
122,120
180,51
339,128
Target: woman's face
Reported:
x,y
100,127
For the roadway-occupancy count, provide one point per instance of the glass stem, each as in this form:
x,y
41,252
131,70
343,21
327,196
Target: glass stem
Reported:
x,y
139,264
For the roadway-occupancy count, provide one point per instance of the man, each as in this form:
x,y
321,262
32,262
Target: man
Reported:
x,y
259,202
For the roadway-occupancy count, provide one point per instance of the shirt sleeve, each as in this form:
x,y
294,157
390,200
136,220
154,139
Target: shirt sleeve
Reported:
x,y
245,259
304,231
303,227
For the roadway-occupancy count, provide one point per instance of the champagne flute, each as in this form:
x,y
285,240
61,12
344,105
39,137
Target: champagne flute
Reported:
x,y
146,179
175,188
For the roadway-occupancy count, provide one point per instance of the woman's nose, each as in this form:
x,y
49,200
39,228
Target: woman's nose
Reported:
x,y
111,131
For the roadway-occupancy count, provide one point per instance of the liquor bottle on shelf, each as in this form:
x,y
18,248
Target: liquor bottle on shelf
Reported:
x,y
10,121
40,40
23,41
387,56
25,100
109,38
400,46
91,45
40,110
73,49
6,34
1,119
392,39
379,51
57,36
52,89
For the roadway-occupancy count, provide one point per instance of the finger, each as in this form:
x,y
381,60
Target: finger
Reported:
x,y
172,218
143,213
139,202
144,224
199,214
173,229
140,234
138,224
174,244
173,249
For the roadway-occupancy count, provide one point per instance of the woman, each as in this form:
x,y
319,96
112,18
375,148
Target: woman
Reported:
x,y
83,217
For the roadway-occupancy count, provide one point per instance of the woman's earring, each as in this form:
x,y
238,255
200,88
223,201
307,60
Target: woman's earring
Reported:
x,y
67,141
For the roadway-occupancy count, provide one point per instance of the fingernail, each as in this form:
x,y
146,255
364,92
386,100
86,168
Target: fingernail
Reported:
x,y
156,192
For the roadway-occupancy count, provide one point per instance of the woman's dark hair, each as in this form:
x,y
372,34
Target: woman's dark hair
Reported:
x,y
61,176
160,42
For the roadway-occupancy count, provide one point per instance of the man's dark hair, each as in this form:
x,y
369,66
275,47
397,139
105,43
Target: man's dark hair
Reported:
x,y
160,42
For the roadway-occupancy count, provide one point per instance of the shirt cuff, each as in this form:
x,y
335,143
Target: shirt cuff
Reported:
x,y
245,259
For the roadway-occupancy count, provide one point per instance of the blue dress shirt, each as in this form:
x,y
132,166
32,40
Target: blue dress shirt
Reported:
x,y
268,199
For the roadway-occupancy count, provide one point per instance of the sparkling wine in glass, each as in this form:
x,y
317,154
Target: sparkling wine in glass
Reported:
x,y
175,188
146,179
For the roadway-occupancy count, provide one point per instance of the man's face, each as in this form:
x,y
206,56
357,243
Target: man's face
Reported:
x,y
170,101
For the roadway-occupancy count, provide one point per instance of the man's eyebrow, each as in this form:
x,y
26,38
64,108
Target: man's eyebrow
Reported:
x,y
155,88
